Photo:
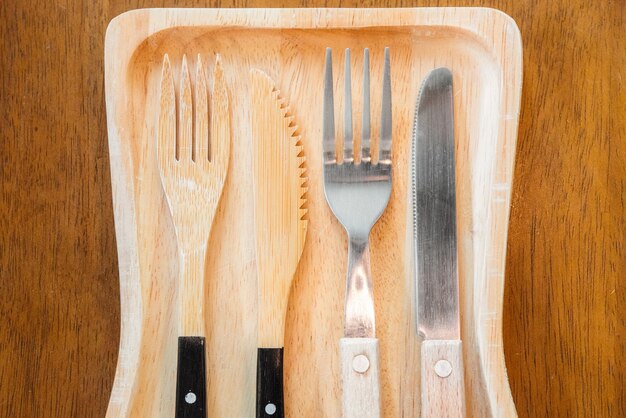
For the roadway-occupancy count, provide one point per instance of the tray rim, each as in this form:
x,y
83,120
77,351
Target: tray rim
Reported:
x,y
469,19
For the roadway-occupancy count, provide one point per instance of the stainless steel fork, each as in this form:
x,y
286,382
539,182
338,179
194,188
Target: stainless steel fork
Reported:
x,y
358,193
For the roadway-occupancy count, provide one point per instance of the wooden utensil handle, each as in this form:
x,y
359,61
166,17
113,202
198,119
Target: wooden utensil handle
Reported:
x,y
269,383
443,389
191,378
359,372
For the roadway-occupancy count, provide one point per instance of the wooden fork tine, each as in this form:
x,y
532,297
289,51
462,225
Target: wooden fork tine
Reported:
x,y
201,148
166,142
220,118
185,138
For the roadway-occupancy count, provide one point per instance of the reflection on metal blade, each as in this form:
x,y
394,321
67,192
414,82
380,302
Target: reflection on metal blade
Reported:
x,y
434,210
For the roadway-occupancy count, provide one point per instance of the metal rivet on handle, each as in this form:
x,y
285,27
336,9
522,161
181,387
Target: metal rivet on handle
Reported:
x,y
360,363
190,398
270,409
443,368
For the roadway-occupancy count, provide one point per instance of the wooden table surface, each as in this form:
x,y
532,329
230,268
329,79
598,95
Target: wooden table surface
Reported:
x,y
564,325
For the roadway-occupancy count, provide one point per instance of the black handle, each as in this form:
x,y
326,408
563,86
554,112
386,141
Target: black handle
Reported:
x,y
269,383
190,378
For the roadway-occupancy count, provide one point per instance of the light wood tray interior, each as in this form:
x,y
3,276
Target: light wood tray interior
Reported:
x,y
483,49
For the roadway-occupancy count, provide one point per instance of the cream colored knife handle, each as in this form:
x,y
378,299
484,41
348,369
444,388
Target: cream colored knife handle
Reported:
x,y
359,373
443,391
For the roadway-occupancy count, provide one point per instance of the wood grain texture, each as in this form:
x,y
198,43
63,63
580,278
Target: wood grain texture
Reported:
x,y
564,316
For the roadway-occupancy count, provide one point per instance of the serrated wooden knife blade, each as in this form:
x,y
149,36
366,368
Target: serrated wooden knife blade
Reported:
x,y
280,227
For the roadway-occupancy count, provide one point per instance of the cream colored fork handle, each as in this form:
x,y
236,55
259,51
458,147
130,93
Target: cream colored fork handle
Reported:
x,y
191,292
443,390
360,377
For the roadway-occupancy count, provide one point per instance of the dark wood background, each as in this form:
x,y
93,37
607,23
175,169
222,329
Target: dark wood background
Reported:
x,y
564,327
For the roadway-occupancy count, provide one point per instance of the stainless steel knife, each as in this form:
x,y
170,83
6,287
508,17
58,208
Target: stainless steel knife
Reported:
x,y
435,248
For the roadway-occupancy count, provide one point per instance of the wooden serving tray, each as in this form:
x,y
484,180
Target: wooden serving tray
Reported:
x,y
483,49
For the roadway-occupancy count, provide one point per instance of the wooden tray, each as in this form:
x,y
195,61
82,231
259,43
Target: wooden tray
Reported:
x,y
483,49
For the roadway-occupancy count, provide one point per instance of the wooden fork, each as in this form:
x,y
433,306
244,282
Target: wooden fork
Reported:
x,y
193,169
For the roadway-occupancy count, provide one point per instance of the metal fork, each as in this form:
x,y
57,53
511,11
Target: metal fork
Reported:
x,y
193,170
358,195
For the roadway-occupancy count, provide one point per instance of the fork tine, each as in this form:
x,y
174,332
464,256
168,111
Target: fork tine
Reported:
x,y
200,151
385,113
366,129
219,150
328,135
166,136
186,123
347,112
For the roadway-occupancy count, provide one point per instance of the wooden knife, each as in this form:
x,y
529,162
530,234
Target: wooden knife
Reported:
x,y
435,248
280,230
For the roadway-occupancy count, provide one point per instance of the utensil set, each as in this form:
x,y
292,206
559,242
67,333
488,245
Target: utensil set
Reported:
x,y
193,150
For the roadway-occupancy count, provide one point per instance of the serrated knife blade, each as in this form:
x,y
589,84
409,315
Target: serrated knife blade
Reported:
x,y
434,210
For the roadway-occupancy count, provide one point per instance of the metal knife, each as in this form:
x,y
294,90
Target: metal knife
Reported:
x,y
280,227
435,248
